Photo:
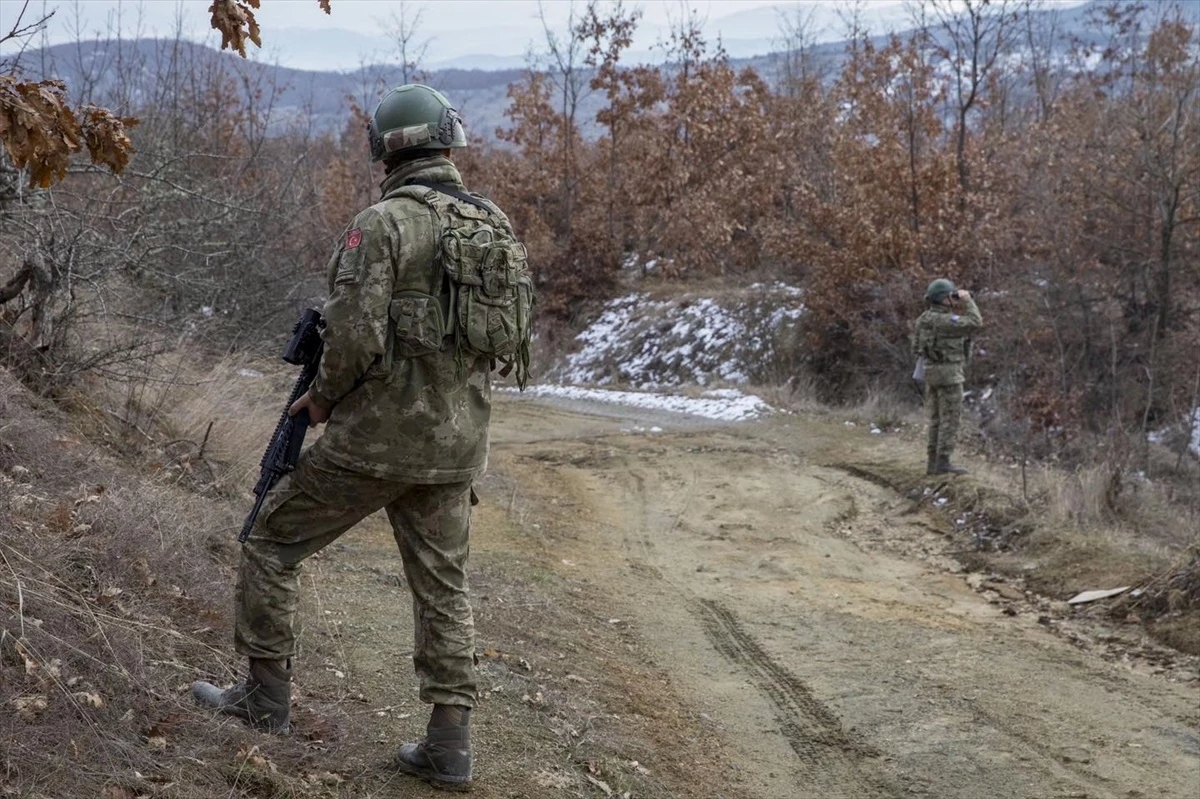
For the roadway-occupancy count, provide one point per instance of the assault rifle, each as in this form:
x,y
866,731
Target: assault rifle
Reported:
x,y
304,350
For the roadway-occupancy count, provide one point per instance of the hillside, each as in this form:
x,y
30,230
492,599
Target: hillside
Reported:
x,y
123,73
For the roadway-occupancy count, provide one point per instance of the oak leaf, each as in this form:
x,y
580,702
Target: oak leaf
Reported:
x,y
235,20
39,130
105,135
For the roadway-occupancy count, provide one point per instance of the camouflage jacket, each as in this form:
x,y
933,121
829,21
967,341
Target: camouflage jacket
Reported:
x,y
403,408
943,339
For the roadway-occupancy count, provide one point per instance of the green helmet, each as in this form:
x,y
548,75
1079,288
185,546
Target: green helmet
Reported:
x,y
414,117
939,289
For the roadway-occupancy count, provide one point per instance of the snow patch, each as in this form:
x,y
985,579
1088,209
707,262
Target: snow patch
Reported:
x,y
1173,435
647,343
729,406
1194,444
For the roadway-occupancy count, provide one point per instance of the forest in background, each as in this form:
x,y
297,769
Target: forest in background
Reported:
x,y
1053,175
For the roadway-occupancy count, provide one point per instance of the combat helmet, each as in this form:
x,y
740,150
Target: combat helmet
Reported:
x,y
414,117
939,289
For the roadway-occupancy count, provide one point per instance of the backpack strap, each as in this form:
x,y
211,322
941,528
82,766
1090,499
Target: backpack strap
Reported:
x,y
444,188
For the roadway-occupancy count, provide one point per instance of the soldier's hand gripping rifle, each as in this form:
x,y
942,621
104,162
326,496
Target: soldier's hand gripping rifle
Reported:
x,y
304,350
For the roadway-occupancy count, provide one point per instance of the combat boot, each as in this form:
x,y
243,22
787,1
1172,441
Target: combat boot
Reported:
x,y
263,700
443,757
944,466
931,464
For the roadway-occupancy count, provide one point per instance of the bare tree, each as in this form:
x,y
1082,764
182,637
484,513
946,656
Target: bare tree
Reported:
x,y
1042,36
402,26
970,36
565,53
797,35
23,30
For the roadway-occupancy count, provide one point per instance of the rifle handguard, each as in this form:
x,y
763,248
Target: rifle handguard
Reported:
x,y
283,452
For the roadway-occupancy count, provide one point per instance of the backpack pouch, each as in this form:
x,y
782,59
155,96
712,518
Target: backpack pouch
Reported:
x,y
419,324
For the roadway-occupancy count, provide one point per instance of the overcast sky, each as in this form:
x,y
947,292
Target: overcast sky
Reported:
x,y
472,33
161,15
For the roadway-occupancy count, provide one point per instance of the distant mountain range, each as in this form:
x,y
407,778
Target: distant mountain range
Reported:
x,y
130,72
744,34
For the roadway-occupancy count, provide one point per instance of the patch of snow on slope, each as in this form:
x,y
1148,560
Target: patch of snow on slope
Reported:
x,y
1177,435
650,343
726,405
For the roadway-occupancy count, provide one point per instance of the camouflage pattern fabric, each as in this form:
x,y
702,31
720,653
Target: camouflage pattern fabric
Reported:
x,y
943,338
309,509
944,404
403,407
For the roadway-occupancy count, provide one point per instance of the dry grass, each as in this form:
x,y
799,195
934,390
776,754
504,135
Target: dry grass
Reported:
x,y
107,581
207,421
242,406
114,595
886,409
1101,497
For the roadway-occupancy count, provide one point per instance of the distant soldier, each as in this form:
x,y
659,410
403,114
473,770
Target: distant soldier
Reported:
x,y
942,344
428,292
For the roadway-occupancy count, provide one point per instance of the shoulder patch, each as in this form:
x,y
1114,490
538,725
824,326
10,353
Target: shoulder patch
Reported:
x,y
353,238
954,318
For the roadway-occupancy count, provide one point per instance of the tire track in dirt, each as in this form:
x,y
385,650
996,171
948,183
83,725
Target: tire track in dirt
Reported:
x,y
827,753
809,616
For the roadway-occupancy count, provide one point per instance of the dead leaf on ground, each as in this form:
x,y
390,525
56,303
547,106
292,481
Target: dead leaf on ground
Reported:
x,y
142,569
166,725
30,707
251,756
109,595
89,699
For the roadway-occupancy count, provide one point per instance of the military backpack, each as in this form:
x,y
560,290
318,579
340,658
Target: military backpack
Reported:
x,y
490,292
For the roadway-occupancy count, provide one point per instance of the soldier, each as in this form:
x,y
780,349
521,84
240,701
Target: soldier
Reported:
x,y
407,399
942,344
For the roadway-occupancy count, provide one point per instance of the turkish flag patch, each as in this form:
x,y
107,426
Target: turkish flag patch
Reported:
x,y
353,238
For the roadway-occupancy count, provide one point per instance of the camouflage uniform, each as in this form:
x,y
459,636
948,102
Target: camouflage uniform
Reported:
x,y
943,339
408,434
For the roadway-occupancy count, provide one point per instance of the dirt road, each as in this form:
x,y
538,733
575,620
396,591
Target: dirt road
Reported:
x,y
732,611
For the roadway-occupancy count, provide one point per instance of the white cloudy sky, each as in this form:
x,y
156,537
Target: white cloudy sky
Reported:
x,y
470,33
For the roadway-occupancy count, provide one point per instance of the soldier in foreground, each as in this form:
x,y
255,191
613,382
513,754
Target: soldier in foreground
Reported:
x,y
942,344
428,291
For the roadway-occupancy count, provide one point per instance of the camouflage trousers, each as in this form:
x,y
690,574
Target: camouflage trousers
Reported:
x,y
944,404
309,509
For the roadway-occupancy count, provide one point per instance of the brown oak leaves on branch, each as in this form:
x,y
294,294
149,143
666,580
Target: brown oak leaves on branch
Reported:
x,y
40,131
236,22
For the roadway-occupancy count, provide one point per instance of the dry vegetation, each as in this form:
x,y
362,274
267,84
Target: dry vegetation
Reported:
x,y
1062,185
111,593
